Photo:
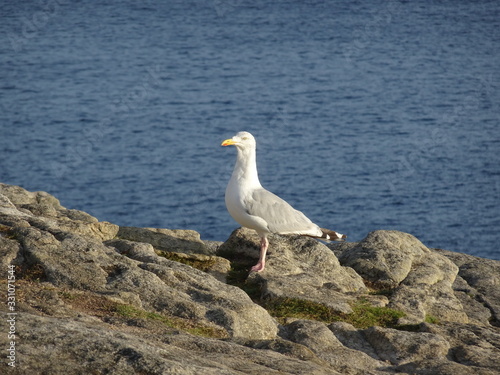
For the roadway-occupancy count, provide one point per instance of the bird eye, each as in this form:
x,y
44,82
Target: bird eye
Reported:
x,y
245,138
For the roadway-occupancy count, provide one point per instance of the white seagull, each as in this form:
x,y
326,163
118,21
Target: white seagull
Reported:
x,y
256,208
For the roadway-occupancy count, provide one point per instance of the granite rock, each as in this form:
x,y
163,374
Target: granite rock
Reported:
x,y
297,267
93,298
420,281
63,254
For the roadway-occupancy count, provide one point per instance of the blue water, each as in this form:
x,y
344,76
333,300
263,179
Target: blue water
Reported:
x,y
368,115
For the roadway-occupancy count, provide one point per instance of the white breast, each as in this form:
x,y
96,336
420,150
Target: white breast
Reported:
x,y
235,198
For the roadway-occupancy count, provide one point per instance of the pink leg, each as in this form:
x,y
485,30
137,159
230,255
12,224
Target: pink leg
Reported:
x,y
264,244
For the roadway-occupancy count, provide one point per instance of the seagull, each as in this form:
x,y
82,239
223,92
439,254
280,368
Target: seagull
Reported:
x,y
256,208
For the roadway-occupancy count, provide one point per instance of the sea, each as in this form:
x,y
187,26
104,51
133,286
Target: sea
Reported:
x,y
368,115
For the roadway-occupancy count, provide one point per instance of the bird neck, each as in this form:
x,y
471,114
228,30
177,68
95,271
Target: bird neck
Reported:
x,y
246,168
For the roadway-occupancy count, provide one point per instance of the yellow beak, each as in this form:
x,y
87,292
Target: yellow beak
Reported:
x,y
228,142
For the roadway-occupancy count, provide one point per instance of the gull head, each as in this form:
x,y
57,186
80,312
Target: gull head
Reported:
x,y
243,140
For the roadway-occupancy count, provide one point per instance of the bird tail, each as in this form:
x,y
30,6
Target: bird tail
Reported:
x,y
331,235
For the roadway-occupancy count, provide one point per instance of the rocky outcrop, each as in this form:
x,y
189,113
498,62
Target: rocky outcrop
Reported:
x,y
477,286
419,280
95,298
85,346
70,254
177,240
385,257
322,341
297,267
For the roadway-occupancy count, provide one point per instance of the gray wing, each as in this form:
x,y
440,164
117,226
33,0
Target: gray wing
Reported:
x,y
279,215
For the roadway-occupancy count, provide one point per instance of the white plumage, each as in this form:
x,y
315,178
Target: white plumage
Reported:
x,y
256,208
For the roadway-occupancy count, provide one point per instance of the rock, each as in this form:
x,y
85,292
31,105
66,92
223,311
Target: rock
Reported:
x,y
161,285
340,247
482,278
77,346
427,292
51,217
213,265
71,253
176,240
441,367
286,347
471,345
242,247
40,201
427,349
91,302
44,211
7,208
314,335
478,356
317,337
420,280
384,257
9,250
400,347
352,338
297,267
471,301
212,246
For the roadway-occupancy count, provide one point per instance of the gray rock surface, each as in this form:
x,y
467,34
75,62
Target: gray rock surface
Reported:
x,y
427,291
178,240
479,279
95,298
69,256
420,280
297,267
81,346
400,347
317,337
384,257
216,266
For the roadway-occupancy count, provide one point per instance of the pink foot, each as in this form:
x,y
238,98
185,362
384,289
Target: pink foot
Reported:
x,y
259,267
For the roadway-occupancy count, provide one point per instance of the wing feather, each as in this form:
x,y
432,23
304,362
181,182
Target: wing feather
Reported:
x,y
280,216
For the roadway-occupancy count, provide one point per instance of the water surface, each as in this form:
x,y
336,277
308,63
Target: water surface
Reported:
x,y
367,116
